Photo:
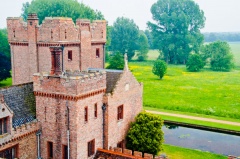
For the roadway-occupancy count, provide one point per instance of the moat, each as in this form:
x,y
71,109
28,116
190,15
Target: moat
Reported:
x,y
214,142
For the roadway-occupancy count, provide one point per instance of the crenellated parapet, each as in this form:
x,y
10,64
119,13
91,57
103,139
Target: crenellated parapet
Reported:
x,y
19,132
70,86
54,29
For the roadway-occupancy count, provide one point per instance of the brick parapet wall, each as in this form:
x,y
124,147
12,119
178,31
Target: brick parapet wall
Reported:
x,y
118,153
74,87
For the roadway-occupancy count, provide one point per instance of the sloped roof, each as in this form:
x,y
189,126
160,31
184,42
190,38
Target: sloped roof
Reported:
x,y
19,98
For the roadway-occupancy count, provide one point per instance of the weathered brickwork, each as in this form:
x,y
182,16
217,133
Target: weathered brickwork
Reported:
x,y
127,92
30,44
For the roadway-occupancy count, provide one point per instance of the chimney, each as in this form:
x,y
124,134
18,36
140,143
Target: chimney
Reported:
x,y
56,52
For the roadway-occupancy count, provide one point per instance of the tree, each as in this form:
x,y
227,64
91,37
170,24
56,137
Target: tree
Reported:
x,y
60,8
116,62
221,58
5,66
143,47
124,36
159,68
150,39
145,134
177,29
194,63
4,46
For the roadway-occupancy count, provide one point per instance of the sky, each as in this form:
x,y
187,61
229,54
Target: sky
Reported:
x,y
221,15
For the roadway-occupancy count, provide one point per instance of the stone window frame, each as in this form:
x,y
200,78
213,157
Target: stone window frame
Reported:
x,y
95,110
69,55
86,114
120,111
97,53
91,147
4,125
49,149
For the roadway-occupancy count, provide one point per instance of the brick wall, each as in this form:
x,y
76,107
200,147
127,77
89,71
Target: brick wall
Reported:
x,y
127,92
52,94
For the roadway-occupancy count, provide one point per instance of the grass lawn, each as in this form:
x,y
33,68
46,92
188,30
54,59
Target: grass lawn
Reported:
x,y
7,82
206,92
175,152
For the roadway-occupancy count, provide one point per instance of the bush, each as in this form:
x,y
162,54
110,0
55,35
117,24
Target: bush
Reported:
x,y
159,68
145,134
194,63
116,62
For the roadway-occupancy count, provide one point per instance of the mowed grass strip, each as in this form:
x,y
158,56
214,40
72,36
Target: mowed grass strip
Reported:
x,y
175,152
206,92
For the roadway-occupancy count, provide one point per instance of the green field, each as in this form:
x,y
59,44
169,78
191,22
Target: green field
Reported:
x,y
206,92
175,152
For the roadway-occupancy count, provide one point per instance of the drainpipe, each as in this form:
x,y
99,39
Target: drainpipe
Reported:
x,y
62,57
104,59
68,133
104,110
38,144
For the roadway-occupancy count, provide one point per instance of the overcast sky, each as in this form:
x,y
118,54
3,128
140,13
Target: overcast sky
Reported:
x,y
221,15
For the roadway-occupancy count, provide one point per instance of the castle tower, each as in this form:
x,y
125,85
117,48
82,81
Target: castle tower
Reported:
x,y
82,45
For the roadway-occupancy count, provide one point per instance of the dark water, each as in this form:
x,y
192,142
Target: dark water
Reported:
x,y
214,142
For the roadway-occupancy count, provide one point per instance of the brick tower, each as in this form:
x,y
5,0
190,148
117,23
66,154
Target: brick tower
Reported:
x,y
82,45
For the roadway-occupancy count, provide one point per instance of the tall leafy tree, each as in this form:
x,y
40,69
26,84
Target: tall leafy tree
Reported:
x,y
60,8
176,29
145,134
221,57
150,39
143,47
4,46
124,36
5,66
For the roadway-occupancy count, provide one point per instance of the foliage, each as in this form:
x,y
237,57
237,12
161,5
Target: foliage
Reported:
x,y
222,36
29,101
116,62
150,39
194,63
145,134
143,47
159,68
221,58
177,29
60,8
186,88
4,46
5,67
124,36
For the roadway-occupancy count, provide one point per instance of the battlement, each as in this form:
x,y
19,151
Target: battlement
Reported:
x,y
54,29
20,132
72,85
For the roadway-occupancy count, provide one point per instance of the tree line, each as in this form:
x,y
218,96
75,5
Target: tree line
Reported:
x,y
228,36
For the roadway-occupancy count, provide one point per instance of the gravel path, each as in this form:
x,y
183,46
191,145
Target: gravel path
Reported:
x,y
195,118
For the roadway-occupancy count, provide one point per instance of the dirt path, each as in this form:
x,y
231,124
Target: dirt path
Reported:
x,y
195,118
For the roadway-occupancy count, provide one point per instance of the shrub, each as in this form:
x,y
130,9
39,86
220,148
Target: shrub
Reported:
x,y
159,68
194,63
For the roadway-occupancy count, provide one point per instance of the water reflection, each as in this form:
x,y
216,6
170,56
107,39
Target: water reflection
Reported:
x,y
214,142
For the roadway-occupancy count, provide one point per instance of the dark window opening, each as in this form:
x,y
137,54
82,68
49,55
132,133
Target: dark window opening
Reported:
x,y
65,34
91,147
86,113
10,153
30,23
120,144
95,110
65,152
14,33
51,34
69,54
50,150
97,53
3,126
120,112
